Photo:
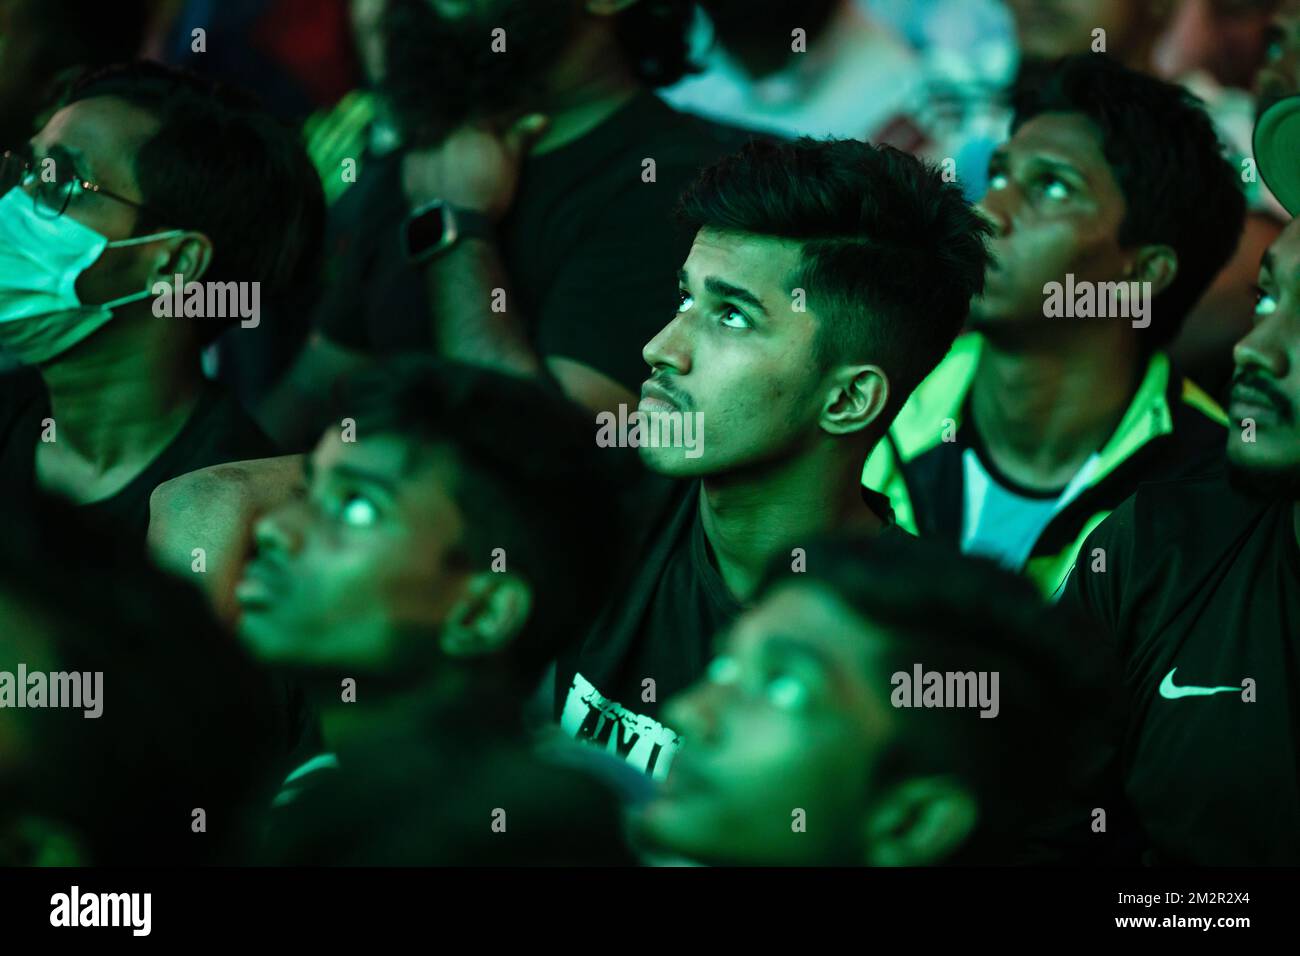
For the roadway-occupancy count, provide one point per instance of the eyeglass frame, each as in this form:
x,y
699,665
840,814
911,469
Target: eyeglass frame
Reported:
x,y
29,169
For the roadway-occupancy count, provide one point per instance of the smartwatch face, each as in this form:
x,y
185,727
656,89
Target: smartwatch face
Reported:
x,y
426,231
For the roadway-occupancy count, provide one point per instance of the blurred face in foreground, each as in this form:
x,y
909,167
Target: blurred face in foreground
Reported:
x,y
783,743
363,566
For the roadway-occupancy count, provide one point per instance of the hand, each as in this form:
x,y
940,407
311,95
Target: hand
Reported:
x,y
475,168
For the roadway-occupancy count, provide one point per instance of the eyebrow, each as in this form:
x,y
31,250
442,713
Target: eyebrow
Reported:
x,y
1001,156
783,646
725,290
364,476
74,157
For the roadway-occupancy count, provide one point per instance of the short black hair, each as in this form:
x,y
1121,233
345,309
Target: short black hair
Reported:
x,y
1037,761
528,480
188,720
1179,188
222,166
892,254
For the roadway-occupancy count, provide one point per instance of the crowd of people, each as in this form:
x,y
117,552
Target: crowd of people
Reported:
x,y
656,432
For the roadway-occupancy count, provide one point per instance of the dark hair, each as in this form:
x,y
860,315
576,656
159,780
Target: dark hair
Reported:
x,y
656,39
222,166
1037,760
527,480
187,721
892,254
1179,188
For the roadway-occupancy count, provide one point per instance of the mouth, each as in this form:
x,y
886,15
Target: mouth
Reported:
x,y
1247,402
261,585
655,399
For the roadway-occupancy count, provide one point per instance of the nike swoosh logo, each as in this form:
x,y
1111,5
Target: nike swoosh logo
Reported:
x,y
1170,692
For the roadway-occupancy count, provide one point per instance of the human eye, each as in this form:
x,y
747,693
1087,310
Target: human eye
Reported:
x,y
724,669
732,318
997,180
1055,188
685,301
786,692
1265,303
357,511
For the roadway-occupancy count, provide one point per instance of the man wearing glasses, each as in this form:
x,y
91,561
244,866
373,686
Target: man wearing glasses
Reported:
x,y
144,176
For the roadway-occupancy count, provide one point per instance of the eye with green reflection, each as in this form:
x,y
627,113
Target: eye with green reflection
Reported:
x,y
724,669
787,693
1265,304
357,511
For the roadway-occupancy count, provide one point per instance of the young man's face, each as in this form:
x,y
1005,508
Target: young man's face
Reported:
x,y
96,140
1264,409
1056,209
787,720
738,357
361,568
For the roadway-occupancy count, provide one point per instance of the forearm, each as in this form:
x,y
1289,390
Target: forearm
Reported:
x,y
474,319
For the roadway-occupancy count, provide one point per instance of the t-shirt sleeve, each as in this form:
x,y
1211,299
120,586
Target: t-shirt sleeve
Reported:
x,y
616,287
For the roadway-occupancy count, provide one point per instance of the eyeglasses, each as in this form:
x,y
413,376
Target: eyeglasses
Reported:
x,y
18,169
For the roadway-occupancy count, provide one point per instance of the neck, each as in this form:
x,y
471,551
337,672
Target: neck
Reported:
x,y
408,710
749,519
1043,408
121,393
589,85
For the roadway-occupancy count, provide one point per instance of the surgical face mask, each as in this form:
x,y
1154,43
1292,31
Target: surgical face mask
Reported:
x,y
40,259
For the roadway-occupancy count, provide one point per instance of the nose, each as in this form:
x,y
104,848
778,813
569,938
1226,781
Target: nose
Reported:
x,y
995,209
1264,348
281,531
671,348
694,712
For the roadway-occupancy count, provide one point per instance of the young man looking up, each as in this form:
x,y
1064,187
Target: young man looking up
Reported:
x,y
1112,190
130,184
825,280
817,738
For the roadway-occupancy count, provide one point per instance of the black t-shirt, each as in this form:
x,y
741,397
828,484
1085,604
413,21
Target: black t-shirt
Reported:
x,y
590,248
458,788
659,628
1201,593
218,431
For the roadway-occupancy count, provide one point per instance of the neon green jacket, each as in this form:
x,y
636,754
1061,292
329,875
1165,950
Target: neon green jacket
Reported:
x,y
1171,428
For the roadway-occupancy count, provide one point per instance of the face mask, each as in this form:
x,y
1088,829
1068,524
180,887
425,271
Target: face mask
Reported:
x,y
40,260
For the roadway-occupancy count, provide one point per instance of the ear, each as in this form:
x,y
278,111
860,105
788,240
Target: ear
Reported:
x,y
188,255
858,394
920,822
488,616
1155,264
607,8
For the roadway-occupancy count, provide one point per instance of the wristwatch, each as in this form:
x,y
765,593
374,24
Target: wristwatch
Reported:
x,y
437,226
